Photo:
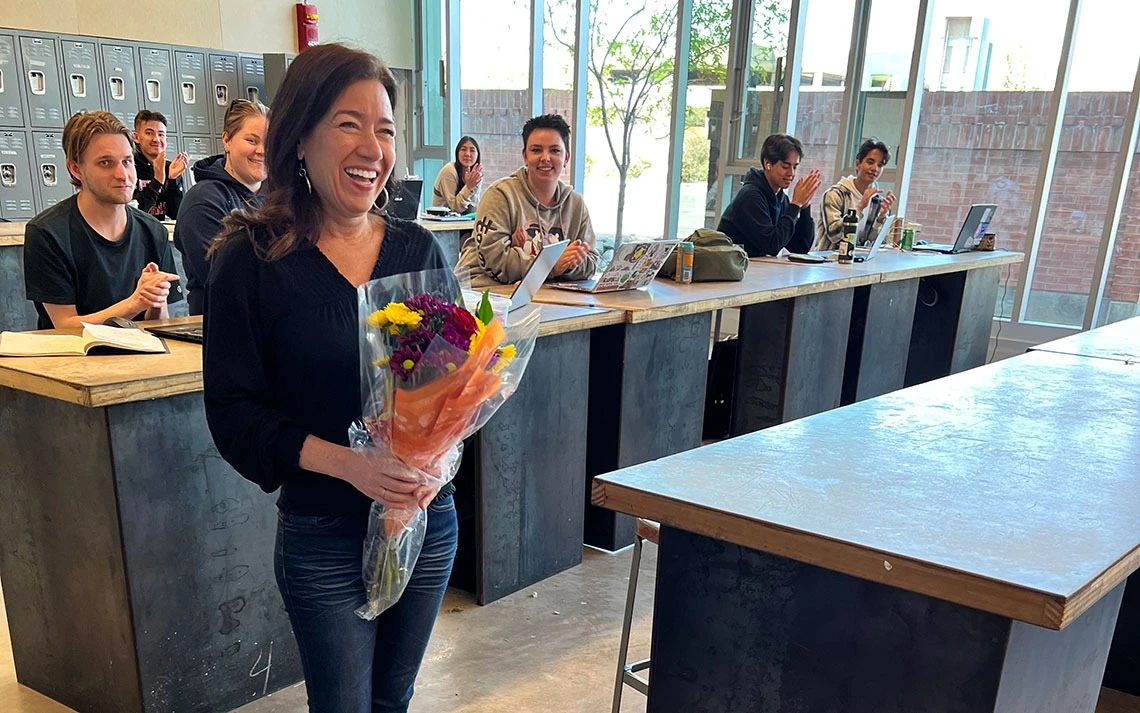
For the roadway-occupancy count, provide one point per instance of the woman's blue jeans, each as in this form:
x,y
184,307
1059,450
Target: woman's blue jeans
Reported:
x,y
352,665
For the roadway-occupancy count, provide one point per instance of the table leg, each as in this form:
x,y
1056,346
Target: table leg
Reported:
x,y
879,340
531,465
450,241
735,629
791,357
138,573
1123,670
647,398
952,321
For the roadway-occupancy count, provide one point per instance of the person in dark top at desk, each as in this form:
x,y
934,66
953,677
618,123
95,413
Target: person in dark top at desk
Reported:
x,y
93,256
224,183
158,190
282,373
760,217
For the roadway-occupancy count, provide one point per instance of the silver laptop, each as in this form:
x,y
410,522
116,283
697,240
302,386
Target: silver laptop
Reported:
x,y
536,274
861,254
634,266
973,228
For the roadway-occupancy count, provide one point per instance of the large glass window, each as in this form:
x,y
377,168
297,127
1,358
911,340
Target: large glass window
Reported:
x,y
983,119
630,58
704,113
558,66
886,77
763,75
1121,296
1100,91
823,77
495,77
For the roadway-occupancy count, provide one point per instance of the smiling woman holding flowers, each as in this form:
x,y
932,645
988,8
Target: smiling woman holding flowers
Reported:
x,y
282,376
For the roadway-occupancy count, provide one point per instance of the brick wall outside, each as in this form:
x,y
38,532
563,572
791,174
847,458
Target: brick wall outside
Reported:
x,y
985,147
972,147
495,118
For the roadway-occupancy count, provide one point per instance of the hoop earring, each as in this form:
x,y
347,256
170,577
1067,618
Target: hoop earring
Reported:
x,y
305,175
381,205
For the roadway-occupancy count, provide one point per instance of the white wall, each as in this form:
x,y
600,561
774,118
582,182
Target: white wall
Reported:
x,y
385,27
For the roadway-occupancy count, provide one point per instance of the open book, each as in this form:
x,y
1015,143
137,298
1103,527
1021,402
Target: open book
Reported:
x,y
95,336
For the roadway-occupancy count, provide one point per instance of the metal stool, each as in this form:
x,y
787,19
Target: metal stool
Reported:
x,y
627,674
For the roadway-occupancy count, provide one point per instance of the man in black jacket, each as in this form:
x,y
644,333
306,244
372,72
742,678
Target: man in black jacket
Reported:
x,y
158,190
760,217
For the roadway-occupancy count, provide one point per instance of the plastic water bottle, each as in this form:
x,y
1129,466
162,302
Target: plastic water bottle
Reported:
x,y
846,251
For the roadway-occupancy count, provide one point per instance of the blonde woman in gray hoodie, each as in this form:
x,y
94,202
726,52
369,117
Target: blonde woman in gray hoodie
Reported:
x,y
529,209
854,192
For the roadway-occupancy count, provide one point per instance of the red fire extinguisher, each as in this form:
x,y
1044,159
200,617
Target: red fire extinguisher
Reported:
x,y
306,26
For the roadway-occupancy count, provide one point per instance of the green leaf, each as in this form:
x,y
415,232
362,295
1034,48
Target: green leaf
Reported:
x,y
485,313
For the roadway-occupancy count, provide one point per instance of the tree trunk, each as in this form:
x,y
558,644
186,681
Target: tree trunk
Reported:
x,y
622,173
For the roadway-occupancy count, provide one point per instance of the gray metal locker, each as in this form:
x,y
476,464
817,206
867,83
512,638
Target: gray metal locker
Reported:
x,y
17,197
120,81
276,64
43,91
11,106
224,87
219,147
156,83
80,76
194,96
197,147
49,169
252,68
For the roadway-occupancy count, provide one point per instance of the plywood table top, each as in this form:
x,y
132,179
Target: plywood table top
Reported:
x,y
108,379
1013,488
1119,341
771,279
665,298
560,319
894,265
105,379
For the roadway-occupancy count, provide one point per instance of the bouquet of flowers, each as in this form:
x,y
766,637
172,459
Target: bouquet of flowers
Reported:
x,y
436,363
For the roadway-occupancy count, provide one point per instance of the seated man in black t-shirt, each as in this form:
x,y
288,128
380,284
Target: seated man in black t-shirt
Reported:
x,y
158,188
92,256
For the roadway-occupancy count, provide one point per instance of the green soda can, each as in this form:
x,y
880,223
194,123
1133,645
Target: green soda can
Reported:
x,y
907,239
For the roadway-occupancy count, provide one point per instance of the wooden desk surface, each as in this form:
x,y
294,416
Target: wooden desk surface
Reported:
x,y
665,298
559,319
1012,488
1119,341
771,279
11,234
106,380
894,265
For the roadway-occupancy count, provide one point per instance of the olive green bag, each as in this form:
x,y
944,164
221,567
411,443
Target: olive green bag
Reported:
x,y
715,258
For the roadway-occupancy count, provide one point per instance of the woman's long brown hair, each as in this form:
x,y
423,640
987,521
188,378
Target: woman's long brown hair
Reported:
x,y
291,216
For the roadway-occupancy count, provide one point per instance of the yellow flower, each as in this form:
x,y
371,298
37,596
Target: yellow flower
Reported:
x,y
408,363
377,319
398,314
451,367
505,356
479,329
381,362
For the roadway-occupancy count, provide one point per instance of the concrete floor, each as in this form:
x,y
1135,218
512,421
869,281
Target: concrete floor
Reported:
x,y
556,650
